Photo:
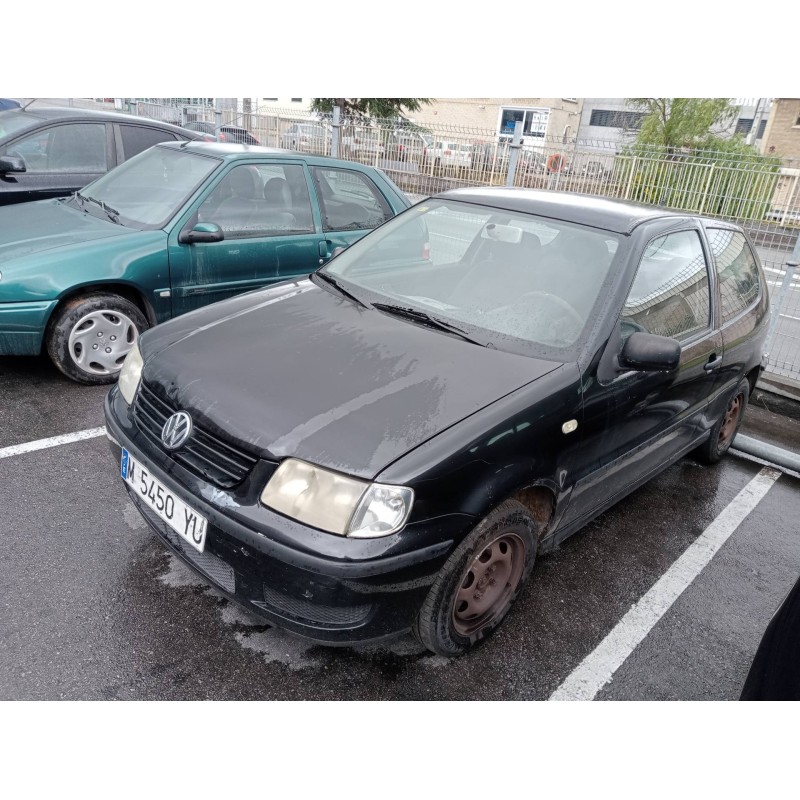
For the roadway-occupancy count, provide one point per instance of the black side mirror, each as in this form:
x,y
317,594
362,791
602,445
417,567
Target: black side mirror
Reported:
x,y
202,233
11,164
646,352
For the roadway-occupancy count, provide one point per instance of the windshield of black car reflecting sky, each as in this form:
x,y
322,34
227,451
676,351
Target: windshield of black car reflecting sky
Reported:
x,y
513,276
149,188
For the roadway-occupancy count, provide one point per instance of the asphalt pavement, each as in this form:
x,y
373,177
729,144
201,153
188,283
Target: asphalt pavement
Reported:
x,y
94,607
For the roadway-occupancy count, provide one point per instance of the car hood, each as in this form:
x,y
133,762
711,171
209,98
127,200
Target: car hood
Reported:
x,y
27,228
298,371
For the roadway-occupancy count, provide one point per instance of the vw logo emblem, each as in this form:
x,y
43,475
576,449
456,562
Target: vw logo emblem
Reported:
x,y
177,429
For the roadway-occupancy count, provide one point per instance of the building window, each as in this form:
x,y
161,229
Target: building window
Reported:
x,y
629,120
270,99
297,99
534,121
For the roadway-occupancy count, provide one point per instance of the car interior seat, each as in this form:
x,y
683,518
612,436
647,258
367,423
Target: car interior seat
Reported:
x,y
236,211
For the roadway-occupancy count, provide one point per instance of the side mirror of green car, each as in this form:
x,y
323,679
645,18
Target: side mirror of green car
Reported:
x,y
201,233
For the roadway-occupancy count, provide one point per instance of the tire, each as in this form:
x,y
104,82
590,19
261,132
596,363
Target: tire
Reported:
x,y
89,336
443,624
724,432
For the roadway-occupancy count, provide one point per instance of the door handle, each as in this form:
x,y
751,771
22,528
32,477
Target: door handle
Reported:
x,y
714,362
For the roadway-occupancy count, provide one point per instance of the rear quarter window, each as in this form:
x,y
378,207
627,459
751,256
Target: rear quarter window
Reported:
x,y
737,271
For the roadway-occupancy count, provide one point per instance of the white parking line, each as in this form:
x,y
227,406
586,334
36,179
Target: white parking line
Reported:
x,y
53,441
598,668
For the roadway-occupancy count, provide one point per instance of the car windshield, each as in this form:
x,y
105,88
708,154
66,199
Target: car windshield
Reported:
x,y
510,280
12,122
147,190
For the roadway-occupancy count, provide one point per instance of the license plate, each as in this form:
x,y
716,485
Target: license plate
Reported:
x,y
185,521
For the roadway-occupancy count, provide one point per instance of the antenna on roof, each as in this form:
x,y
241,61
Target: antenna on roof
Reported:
x,y
27,104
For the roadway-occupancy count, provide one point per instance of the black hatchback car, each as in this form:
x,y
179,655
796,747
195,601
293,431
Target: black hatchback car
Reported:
x,y
389,443
52,152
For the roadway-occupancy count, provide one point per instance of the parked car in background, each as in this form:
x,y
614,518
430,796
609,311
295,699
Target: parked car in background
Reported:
x,y
449,154
173,229
307,137
361,143
389,443
406,145
52,152
775,671
234,135
208,129
6,103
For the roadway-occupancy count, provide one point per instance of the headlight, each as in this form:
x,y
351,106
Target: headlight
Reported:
x,y
131,374
336,503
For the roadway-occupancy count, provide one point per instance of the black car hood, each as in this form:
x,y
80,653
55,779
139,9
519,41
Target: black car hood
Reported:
x,y
299,371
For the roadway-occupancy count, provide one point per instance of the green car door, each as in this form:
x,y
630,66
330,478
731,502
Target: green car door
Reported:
x,y
351,205
271,230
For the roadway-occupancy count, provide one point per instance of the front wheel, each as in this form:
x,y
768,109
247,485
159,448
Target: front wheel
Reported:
x,y
90,336
479,582
724,432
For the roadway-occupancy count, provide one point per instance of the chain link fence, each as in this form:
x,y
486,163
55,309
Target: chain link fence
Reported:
x,y
761,193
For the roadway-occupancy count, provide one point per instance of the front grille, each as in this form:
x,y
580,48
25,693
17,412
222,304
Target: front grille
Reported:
x,y
213,567
303,610
204,454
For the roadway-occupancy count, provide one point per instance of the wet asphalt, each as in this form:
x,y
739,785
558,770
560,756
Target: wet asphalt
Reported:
x,y
93,607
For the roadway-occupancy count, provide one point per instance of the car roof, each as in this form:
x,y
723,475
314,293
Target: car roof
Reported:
x,y
48,114
619,216
231,151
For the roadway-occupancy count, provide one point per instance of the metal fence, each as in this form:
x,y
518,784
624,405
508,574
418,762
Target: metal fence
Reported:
x,y
760,193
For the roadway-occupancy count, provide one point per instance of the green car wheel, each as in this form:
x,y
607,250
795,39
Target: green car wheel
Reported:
x,y
90,336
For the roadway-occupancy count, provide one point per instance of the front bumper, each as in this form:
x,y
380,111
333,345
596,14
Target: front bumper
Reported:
x,y
22,327
323,587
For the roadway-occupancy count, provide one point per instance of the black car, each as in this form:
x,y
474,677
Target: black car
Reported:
x,y
775,671
389,443
52,152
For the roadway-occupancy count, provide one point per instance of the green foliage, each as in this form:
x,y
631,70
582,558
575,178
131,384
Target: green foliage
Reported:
x,y
677,162
676,122
375,107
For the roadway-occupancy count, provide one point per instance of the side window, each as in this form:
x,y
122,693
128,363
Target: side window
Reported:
x,y
136,139
260,200
670,294
349,200
739,283
78,147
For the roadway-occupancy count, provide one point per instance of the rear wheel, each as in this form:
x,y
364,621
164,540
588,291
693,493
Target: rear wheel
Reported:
x,y
479,582
724,432
90,336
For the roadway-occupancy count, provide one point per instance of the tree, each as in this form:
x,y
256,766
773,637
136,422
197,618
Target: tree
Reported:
x,y
377,107
679,122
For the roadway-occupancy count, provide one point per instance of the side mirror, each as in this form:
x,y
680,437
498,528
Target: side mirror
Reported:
x,y
11,164
202,233
646,352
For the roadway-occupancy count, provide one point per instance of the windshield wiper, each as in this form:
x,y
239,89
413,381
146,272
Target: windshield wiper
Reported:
x,y
338,286
422,317
110,212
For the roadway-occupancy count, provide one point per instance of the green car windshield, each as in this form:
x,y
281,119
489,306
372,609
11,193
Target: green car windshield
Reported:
x,y
150,188
509,280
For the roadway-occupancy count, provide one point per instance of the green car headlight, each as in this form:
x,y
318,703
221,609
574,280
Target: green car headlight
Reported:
x,y
131,374
335,503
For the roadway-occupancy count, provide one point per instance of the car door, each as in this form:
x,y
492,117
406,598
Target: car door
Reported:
x,y
350,204
743,311
60,159
272,232
637,422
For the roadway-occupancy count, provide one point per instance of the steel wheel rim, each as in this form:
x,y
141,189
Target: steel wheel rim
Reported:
x,y
99,342
731,420
488,583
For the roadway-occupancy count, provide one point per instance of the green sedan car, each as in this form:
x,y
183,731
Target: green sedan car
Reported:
x,y
175,228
